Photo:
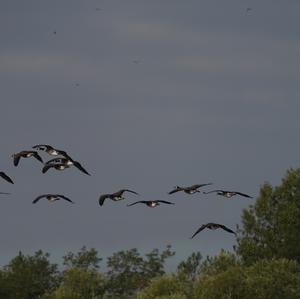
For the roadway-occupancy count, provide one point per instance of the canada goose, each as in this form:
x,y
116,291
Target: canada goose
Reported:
x,y
52,198
5,193
212,226
68,162
115,196
57,166
151,203
228,194
6,177
26,154
51,150
189,190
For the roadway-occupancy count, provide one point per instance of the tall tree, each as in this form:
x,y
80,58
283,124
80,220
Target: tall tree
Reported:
x,y
271,226
29,277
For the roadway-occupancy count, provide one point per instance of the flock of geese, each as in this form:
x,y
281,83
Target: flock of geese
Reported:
x,y
63,161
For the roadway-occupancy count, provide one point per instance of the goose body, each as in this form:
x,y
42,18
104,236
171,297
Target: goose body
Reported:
x,y
26,154
189,190
228,194
212,226
114,196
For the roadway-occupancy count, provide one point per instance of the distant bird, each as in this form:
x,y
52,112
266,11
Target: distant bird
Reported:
x,y
189,190
51,150
151,203
212,226
57,166
26,154
6,177
228,194
136,61
67,162
52,198
115,196
4,193
98,9
77,84
248,10
54,32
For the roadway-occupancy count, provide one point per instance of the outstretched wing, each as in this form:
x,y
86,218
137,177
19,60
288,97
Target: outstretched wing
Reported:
x,y
65,198
102,198
47,167
202,227
127,190
17,158
243,194
227,229
64,153
197,186
79,166
177,189
38,157
140,201
6,177
39,197
166,202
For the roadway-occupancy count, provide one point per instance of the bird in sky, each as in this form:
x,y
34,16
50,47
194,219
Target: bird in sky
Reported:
x,y
228,194
26,154
151,203
57,166
114,196
189,190
212,226
51,150
6,177
52,198
67,162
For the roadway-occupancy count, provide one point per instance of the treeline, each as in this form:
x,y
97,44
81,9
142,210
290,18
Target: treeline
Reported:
x,y
265,263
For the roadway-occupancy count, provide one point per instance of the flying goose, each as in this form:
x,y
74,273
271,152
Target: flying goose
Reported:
x,y
51,150
151,203
57,166
115,196
6,177
228,194
4,193
52,198
212,226
189,190
68,162
26,154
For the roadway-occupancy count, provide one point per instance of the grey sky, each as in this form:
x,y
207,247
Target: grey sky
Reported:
x,y
214,98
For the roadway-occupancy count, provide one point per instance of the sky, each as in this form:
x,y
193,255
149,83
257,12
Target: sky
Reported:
x,y
146,95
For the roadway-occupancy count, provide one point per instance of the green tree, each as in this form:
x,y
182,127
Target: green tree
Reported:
x,y
86,259
271,226
129,271
29,277
190,268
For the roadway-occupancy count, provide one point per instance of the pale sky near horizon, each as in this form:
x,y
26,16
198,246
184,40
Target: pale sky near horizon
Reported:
x,y
214,97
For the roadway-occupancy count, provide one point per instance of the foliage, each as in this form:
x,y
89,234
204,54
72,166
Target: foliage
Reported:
x,y
271,226
129,271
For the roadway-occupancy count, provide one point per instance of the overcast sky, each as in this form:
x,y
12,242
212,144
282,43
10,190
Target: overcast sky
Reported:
x,y
146,95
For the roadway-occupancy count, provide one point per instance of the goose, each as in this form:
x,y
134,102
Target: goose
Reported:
x,y
26,154
212,226
228,194
151,203
52,198
68,162
6,177
189,190
4,193
57,166
51,150
115,196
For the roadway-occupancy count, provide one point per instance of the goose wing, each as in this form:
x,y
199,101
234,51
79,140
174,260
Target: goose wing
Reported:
x,y
56,160
243,194
39,197
166,202
102,198
6,177
127,190
38,157
202,227
226,229
197,186
79,166
43,147
212,191
177,189
140,201
65,198
17,158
